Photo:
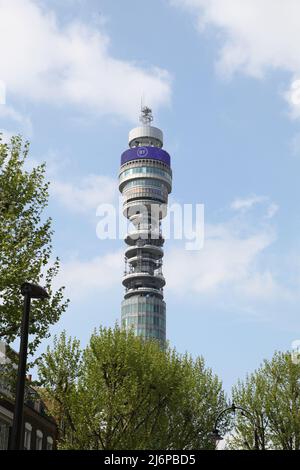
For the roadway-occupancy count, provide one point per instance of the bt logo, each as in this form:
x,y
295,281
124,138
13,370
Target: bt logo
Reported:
x,y
142,152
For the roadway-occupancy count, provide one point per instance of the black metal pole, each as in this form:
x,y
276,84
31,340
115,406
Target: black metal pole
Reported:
x,y
256,442
17,428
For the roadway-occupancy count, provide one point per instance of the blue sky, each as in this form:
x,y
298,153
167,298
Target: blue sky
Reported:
x,y
222,77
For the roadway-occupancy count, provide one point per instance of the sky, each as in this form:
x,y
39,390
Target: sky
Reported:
x,y
223,80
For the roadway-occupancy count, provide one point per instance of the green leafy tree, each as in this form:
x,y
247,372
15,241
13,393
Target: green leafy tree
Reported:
x,y
125,393
60,370
25,245
272,395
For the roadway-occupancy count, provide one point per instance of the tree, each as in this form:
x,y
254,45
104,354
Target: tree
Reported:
x,y
272,395
60,370
25,245
126,393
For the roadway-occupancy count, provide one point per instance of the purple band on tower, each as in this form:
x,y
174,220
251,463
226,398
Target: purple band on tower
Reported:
x,y
153,153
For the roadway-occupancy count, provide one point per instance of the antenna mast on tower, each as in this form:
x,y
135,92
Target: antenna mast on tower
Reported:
x,y
146,116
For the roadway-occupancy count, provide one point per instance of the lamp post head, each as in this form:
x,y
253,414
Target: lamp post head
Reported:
x,y
34,291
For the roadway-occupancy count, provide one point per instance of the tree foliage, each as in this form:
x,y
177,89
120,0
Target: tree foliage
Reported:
x,y
121,392
25,245
272,395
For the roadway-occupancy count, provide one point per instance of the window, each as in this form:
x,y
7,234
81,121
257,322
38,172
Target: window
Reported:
x,y
39,440
49,443
27,436
145,170
4,432
144,183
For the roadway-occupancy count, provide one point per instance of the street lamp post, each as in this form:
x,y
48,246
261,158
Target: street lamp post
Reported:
x,y
216,436
29,291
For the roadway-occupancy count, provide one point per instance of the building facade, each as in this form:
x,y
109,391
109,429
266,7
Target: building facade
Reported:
x,y
145,181
39,429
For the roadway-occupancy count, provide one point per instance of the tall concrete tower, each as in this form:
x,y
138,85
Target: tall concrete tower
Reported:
x,y
145,180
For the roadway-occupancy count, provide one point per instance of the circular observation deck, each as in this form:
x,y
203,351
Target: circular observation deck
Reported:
x,y
143,279
143,292
146,193
150,237
145,169
155,252
145,134
138,208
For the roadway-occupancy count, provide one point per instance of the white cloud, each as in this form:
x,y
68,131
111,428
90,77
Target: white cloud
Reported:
x,y
20,121
6,135
247,203
44,61
57,163
260,285
10,113
235,268
82,278
257,35
85,196
292,96
272,210
228,259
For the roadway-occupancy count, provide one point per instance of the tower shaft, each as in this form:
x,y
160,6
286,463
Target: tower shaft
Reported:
x,y
145,180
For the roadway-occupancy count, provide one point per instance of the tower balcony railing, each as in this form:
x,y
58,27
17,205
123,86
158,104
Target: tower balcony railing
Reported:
x,y
148,268
154,227
143,259
144,278
144,291
143,248
145,231
141,272
148,259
